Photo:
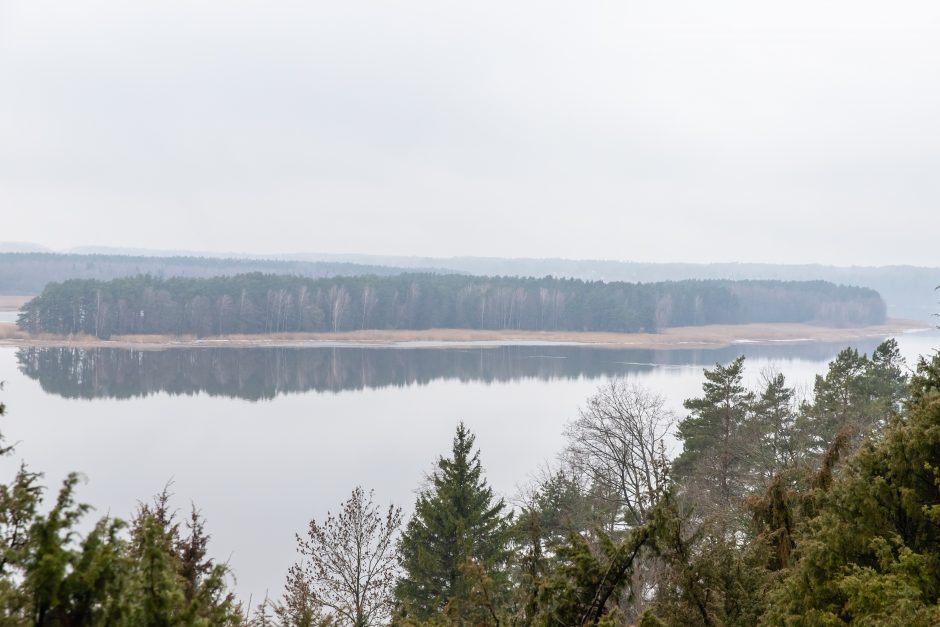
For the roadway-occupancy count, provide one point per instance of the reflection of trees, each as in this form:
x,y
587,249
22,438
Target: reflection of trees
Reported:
x,y
260,373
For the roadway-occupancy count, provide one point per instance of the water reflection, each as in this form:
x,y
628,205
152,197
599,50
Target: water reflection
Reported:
x,y
264,373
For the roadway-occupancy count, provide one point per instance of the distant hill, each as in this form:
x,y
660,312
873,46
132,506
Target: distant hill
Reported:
x,y
29,272
22,247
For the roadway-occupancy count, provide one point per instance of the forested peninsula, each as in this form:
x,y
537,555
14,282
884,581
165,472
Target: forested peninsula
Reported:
x,y
256,303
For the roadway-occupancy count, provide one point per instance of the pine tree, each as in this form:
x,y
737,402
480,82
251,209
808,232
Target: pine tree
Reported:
x,y
458,524
887,382
775,419
839,401
857,394
716,451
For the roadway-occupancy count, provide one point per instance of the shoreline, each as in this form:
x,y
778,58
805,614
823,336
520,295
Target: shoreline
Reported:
x,y
13,302
710,336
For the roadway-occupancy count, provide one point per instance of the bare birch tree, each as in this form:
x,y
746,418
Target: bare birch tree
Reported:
x,y
348,562
619,443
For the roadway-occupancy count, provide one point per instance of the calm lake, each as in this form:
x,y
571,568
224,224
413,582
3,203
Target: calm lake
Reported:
x,y
263,439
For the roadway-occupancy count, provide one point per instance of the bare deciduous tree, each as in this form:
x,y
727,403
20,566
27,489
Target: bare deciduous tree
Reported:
x,y
348,562
619,443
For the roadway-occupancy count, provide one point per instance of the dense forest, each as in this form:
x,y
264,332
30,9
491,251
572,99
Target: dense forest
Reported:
x,y
266,372
908,290
259,303
778,511
28,273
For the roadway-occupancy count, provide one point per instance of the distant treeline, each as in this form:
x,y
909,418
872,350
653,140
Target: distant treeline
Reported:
x,y
29,273
908,290
259,303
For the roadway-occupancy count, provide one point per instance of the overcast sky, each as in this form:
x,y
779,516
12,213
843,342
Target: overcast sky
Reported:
x,y
799,131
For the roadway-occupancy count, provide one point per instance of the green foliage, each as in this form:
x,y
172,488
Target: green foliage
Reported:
x,y
585,585
709,578
871,554
267,303
562,503
716,449
175,580
51,575
887,381
854,540
843,497
857,394
458,523
776,447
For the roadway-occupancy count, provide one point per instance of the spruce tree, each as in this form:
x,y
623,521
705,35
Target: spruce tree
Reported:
x,y
458,526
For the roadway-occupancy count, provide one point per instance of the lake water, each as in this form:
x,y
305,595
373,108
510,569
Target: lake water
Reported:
x,y
264,439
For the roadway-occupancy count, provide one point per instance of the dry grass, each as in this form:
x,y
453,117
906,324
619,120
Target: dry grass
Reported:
x,y
9,332
712,336
12,302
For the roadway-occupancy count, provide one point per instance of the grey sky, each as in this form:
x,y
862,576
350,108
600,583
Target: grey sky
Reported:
x,y
801,131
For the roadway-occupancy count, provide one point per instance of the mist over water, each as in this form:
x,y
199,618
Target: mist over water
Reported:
x,y
263,439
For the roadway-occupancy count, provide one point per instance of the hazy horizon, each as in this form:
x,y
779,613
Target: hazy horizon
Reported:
x,y
634,130
377,259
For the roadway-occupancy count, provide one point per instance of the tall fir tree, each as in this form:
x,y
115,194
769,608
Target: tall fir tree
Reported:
x,y
458,526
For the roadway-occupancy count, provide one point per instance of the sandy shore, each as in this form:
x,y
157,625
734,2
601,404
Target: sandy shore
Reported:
x,y
712,336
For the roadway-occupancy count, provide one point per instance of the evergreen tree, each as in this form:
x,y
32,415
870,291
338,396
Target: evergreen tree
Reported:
x,y
563,502
710,577
857,394
269,303
176,580
887,382
585,585
458,523
52,576
871,553
775,424
716,452
839,401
